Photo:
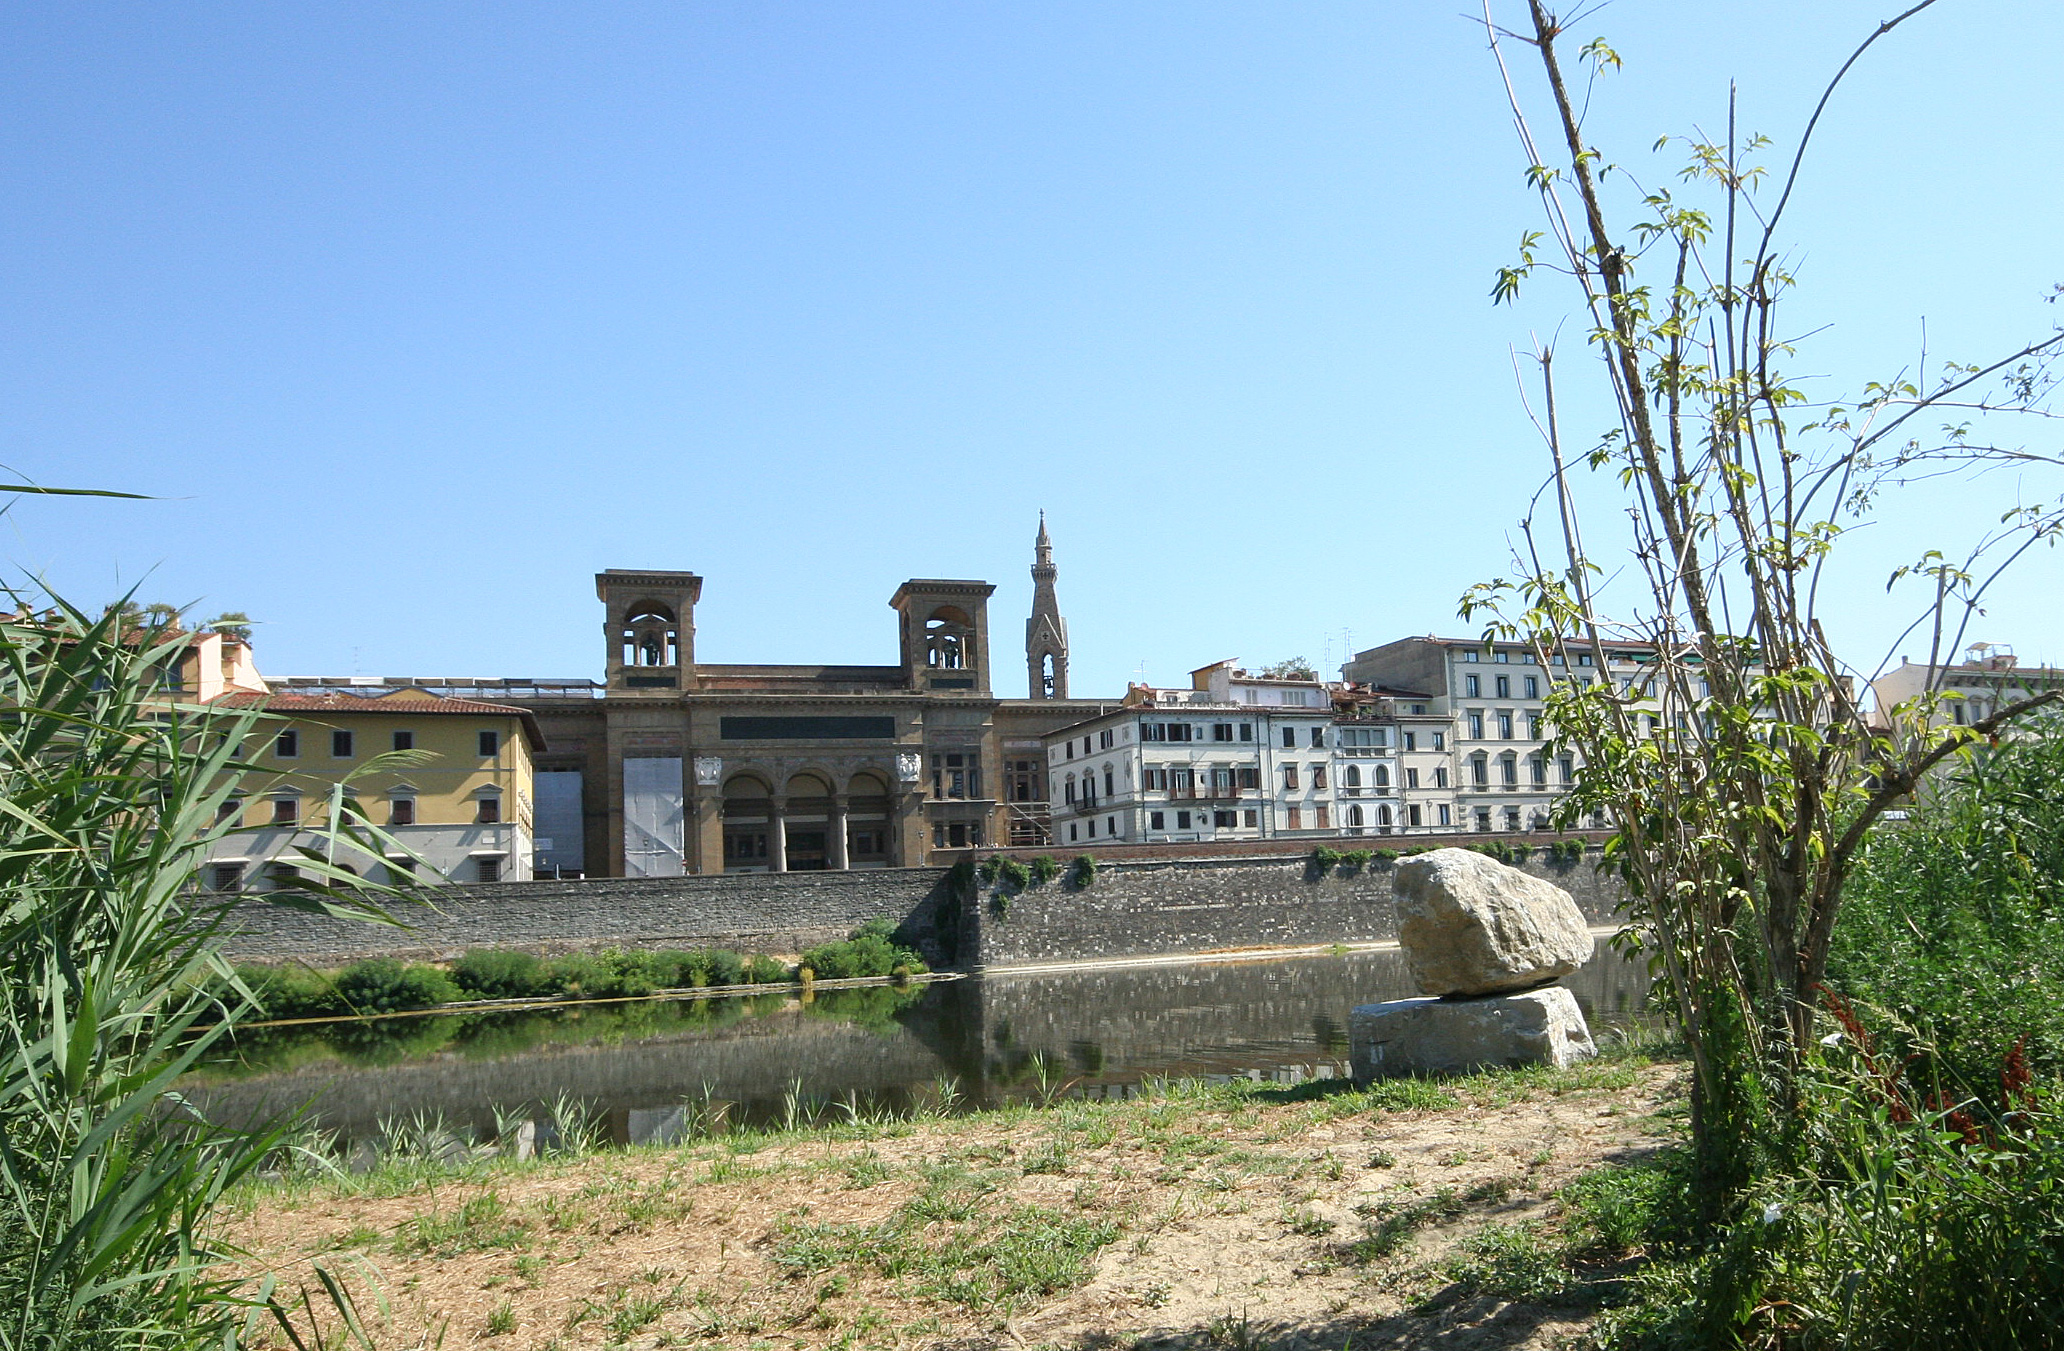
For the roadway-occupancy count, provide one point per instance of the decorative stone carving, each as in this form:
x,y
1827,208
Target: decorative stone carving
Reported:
x,y
709,771
909,766
1470,925
1453,1036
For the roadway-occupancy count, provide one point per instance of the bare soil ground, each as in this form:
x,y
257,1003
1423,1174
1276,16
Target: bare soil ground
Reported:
x,y
1240,1216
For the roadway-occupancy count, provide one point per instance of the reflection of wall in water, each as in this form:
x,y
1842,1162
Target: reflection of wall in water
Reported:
x,y
750,1062
1213,1017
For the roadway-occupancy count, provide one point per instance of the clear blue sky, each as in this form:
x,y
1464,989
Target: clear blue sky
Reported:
x,y
416,315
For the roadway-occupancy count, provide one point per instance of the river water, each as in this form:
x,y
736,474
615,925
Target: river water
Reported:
x,y
645,1070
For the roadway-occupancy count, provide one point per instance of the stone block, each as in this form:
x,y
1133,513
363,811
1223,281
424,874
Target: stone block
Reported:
x,y
1452,1036
1470,925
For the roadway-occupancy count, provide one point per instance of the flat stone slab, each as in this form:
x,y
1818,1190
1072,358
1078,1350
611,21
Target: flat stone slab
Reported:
x,y
1455,1036
1470,925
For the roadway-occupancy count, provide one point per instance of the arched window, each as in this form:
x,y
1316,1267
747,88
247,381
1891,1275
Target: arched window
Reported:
x,y
1382,776
1352,779
1354,814
1069,796
949,640
650,637
1383,818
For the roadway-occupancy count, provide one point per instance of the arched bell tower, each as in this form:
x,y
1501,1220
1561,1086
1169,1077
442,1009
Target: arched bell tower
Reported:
x,y
1046,633
945,637
649,629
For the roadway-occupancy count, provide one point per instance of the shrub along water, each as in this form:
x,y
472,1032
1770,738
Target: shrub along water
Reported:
x,y
385,985
870,951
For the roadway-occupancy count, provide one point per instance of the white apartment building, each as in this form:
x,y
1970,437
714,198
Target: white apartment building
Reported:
x,y
1410,744
1484,732
1232,757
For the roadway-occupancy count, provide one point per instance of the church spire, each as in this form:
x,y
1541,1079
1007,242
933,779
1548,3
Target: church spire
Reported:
x,y
1046,633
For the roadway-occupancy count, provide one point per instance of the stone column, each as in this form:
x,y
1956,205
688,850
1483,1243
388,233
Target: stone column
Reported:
x,y
777,835
837,827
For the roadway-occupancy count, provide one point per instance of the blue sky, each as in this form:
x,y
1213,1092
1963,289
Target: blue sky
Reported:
x,y
417,315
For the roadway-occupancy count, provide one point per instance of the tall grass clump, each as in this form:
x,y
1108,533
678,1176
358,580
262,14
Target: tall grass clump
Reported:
x,y
111,985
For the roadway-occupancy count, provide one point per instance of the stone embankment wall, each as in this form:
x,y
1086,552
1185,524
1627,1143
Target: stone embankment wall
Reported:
x,y
752,912
1134,908
1137,909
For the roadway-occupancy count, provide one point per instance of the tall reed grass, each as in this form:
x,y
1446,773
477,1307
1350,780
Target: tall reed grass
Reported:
x,y
111,986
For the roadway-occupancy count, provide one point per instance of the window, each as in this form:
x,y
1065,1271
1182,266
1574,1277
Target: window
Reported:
x,y
1318,776
286,810
1476,725
1512,818
1504,687
1567,767
1440,777
1533,727
1504,725
1092,828
487,869
1501,657
1382,818
287,745
1508,770
1471,687
1351,777
1479,770
1472,656
1440,741
1538,765
1153,731
232,810
1156,779
1250,777
1411,778
1533,687
1222,783
1071,832
1068,793
1381,774
1071,748
1246,731
1584,659
1225,820
404,741
1411,741
487,809
1353,817
1250,819
340,745
1182,782
1446,817
401,811
1107,782
1154,820
1289,736
1110,825
1412,815
226,877
1296,819
957,774
1321,810
1318,736
490,745
1182,820
1221,731
282,874
1483,819
1104,738
1290,778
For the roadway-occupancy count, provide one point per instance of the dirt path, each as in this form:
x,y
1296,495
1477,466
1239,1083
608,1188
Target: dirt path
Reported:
x,y
1239,1216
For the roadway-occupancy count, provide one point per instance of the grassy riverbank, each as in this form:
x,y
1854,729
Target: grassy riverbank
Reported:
x,y
1489,1211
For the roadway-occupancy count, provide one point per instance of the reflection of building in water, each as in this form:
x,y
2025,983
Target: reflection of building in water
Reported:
x,y
673,765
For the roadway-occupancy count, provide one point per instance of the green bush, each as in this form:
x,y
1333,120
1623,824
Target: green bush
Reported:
x,y
869,952
497,973
291,991
1082,873
384,985
1013,874
1324,860
1045,868
765,971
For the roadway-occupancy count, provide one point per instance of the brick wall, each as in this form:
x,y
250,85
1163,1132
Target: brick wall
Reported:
x,y
1152,906
1136,907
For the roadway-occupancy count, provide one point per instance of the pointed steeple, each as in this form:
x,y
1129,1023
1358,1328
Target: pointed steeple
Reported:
x,y
1046,633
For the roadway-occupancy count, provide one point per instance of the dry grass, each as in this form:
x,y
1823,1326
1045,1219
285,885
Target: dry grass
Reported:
x,y
1235,1216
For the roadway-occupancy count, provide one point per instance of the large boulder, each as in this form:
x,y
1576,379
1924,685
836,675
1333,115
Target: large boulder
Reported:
x,y
1470,925
1454,1036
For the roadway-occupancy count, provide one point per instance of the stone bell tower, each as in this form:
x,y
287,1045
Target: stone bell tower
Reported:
x,y
649,629
1046,633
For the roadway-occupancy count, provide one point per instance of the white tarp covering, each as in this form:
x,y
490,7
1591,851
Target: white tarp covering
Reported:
x,y
559,819
653,817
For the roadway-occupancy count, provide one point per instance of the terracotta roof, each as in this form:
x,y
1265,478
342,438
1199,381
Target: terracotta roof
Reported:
x,y
386,703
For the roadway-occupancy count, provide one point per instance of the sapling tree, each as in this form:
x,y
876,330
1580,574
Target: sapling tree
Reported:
x,y
1716,728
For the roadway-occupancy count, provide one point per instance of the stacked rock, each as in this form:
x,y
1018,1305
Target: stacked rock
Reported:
x,y
1484,943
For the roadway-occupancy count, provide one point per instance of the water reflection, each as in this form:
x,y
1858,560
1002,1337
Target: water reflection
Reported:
x,y
661,1070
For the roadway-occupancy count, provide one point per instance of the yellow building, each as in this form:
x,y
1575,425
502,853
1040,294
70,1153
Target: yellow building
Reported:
x,y
465,810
